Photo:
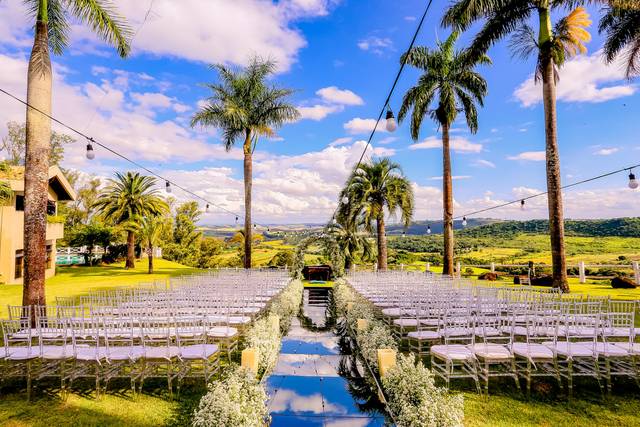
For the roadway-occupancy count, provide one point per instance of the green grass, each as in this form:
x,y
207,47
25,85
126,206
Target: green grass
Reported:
x,y
77,281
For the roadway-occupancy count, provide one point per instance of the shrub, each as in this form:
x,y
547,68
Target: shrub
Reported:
x,y
416,401
266,339
375,337
238,400
287,304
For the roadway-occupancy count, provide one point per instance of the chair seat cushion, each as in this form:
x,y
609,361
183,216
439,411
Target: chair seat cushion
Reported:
x,y
56,352
633,348
608,349
424,335
161,352
491,351
198,351
90,353
222,332
453,352
126,353
617,332
532,350
22,353
571,349
487,331
406,322
455,332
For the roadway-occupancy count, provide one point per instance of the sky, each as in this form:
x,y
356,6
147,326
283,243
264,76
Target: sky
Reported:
x,y
341,57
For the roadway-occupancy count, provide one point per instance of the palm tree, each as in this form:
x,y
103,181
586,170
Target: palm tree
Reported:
x,y
621,22
150,230
353,243
125,200
245,107
52,34
449,81
374,188
552,46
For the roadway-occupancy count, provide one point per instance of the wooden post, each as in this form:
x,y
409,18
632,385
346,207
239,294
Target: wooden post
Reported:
x,y
386,360
459,269
250,359
428,267
401,267
581,272
636,271
493,267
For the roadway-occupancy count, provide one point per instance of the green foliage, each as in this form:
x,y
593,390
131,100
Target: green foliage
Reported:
x,y
91,235
622,26
210,248
282,258
264,336
15,142
621,227
56,219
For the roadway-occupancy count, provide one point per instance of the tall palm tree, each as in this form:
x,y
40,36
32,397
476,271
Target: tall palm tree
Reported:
x,y
621,23
52,34
374,188
150,231
553,45
245,107
125,200
450,82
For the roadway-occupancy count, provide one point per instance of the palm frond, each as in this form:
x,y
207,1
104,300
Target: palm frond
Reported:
x,y
105,21
523,43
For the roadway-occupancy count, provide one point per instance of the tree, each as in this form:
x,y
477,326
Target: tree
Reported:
x,y
51,33
283,258
552,46
126,199
621,23
92,235
210,248
374,188
353,243
150,230
449,81
15,142
184,243
245,107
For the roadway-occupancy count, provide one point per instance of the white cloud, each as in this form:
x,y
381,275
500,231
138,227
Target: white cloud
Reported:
x,y
485,163
341,141
334,95
582,79
607,151
200,30
358,126
410,18
318,112
377,45
458,144
533,156
387,140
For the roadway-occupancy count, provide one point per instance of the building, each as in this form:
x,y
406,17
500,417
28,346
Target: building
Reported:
x,y
12,222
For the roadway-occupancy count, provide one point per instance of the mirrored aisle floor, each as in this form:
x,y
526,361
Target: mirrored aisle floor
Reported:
x,y
306,388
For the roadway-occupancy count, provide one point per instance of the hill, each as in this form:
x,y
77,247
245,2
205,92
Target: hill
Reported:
x,y
616,227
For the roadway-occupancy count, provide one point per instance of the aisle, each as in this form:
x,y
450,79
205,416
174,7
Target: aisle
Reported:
x,y
305,387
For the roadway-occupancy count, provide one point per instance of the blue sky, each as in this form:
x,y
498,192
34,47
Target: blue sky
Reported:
x,y
341,57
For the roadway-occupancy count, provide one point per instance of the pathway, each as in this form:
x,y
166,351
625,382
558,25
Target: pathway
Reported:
x,y
306,388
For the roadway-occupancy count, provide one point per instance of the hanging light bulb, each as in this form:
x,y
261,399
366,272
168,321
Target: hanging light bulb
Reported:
x,y
268,229
236,220
404,234
633,182
167,186
428,229
206,209
255,226
392,125
464,221
522,204
90,153
345,200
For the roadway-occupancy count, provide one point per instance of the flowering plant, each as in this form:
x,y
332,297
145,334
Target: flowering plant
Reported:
x,y
238,400
265,337
287,304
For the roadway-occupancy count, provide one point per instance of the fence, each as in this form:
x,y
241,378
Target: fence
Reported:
x,y
492,267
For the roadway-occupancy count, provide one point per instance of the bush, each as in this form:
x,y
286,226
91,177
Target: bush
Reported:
x,y
415,400
375,337
266,339
287,304
239,400
283,258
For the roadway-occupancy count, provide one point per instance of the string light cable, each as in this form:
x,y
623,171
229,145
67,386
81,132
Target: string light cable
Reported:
x,y
91,155
633,184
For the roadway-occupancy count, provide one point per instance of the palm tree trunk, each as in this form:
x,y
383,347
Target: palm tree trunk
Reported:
x,y
382,243
36,177
131,246
248,179
554,199
447,203
151,260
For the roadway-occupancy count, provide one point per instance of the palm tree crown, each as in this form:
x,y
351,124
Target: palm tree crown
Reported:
x,y
374,188
621,22
449,80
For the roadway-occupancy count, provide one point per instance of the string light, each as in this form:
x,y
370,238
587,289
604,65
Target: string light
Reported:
x,y
428,229
90,153
167,186
206,209
633,182
522,204
404,234
392,125
345,200
464,221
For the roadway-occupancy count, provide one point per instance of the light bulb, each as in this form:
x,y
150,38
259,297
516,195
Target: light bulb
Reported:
x,y
404,234
90,153
167,187
428,229
392,125
522,204
236,220
633,182
207,208
464,221
345,200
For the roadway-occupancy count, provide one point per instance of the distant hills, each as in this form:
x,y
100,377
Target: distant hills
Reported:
x,y
476,227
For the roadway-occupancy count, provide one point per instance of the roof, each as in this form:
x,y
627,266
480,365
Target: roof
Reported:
x,y
57,181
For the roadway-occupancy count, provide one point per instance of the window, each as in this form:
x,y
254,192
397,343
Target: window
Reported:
x,y
51,207
20,203
19,263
